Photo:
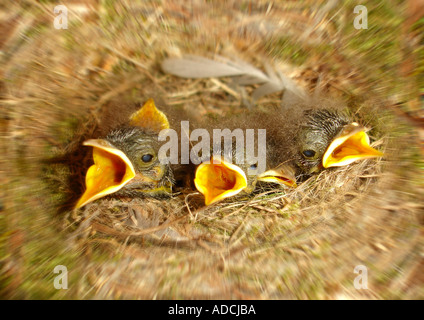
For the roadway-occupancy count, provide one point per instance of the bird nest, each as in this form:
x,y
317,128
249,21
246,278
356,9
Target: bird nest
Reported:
x,y
60,87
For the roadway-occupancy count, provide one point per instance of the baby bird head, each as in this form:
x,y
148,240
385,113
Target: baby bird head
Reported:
x,y
329,139
151,176
126,161
234,173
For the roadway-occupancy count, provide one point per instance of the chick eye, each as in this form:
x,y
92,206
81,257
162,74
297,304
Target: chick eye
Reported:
x,y
147,158
253,166
309,153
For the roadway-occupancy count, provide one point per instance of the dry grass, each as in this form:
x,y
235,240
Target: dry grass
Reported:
x,y
59,87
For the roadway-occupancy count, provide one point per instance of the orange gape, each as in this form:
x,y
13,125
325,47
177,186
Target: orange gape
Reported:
x,y
350,145
282,174
149,117
109,173
217,181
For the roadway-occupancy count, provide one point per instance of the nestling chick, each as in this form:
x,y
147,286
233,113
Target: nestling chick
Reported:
x,y
126,162
225,175
230,173
330,139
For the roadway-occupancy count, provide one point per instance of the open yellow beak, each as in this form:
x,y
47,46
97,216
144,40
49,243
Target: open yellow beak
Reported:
x,y
110,172
350,145
217,181
149,117
283,174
